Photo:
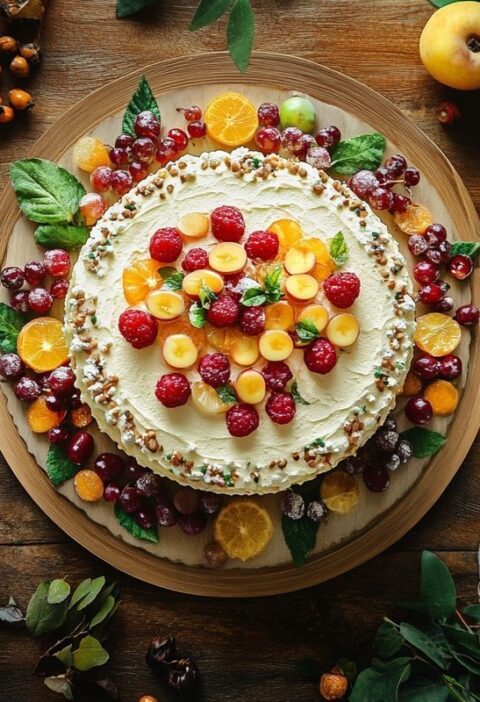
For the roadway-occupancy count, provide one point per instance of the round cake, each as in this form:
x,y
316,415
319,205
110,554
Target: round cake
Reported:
x,y
263,360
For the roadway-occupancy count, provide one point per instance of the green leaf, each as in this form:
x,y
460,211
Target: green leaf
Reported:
x,y
227,394
361,152
458,691
468,640
349,668
11,323
65,656
142,99
127,521
430,641
62,236
424,442
240,31
197,315
381,681
80,591
437,587
469,248
42,617
306,330
424,690
93,591
272,284
206,296
298,399
173,280
207,12
89,654
46,193
106,608
125,8
300,536
472,611
253,297
339,249
60,685
443,3
58,591
388,640
59,467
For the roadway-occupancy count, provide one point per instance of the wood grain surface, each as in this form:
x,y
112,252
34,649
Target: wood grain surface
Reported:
x,y
246,649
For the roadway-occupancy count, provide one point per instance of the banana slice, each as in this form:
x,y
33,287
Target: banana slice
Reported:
x,y
280,315
165,304
179,351
244,350
318,314
301,287
299,260
194,225
343,330
250,386
275,345
193,282
227,257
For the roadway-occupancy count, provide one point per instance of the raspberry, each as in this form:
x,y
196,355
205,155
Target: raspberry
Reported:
x,y
173,389
139,328
195,259
263,245
232,285
214,369
166,245
11,366
227,223
40,300
252,320
276,374
280,407
320,357
223,312
242,420
342,289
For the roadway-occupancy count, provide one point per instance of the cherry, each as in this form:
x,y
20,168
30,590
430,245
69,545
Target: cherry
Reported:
x,y
130,499
27,389
380,198
450,367
376,478
59,435
425,272
19,301
435,233
59,288
149,484
100,179
197,129
61,380
124,141
328,137
430,294
417,245
191,113
467,315
112,492
109,466
427,367
119,156
57,263
12,277
268,115
268,140
179,137
411,177
418,410
80,447
460,266
34,272
40,300
147,124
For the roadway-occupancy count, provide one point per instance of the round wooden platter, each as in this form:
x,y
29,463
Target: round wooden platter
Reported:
x,y
194,80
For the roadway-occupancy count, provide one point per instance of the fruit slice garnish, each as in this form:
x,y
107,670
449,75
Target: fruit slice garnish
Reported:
x,y
165,304
244,350
280,315
231,119
250,386
179,351
181,326
243,528
324,263
299,260
89,153
340,492
40,418
288,231
207,400
140,278
193,225
343,330
443,397
301,287
41,344
414,220
437,334
222,339
194,281
317,314
412,385
275,345
227,257
88,485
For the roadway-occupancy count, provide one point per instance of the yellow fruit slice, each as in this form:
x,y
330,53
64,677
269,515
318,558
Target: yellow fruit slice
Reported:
x,y
165,304
193,225
414,220
437,334
340,492
243,528
222,339
299,260
41,344
193,282
40,418
250,386
301,287
280,315
275,345
88,485
343,330
317,314
179,351
227,257
443,396
181,326
207,400
288,231
324,264
244,350
231,119
140,278
90,153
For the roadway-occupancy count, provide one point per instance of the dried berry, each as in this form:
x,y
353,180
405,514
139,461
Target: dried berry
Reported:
x,y
393,462
404,450
333,686
292,505
317,511
182,675
386,440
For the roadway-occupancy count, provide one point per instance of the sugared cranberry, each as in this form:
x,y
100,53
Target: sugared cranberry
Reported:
x,y
328,137
59,288
145,518
303,145
119,156
376,478
435,233
268,115
57,263
444,305
166,513
100,179
362,183
290,137
167,151
121,181
149,484
12,277
268,140
109,466
214,369
130,499
227,223
75,400
34,272
191,113
448,112
138,327
384,177
197,129
427,367
147,124
112,492
460,266
40,300
440,253
223,312
133,471
172,389
411,177
467,315
124,141
418,410
318,157
195,259
143,149
11,366
210,502
380,198
280,407
277,374
61,380
27,389
19,301
242,420
59,435
138,171
252,320
450,367
80,447
429,294
54,403
166,245
417,245
179,137
262,245
396,164
400,203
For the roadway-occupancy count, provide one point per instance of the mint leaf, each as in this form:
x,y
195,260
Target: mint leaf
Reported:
x,y
89,654
339,249
59,467
381,681
437,587
300,536
388,641
127,521
58,591
206,296
62,236
142,99
46,193
270,293
253,297
173,281
11,323
361,152
125,8
197,315
298,399
207,12
469,248
227,394
41,617
240,31
306,330
424,442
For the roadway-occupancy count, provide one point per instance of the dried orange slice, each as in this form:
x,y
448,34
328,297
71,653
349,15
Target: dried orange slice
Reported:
x,y
90,153
41,344
437,334
288,231
414,220
443,396
243,528
140,278
40,418
340,492
231,119
88,485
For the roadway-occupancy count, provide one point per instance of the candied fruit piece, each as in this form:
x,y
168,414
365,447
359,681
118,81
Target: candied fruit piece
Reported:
x,y
414,220
41,419
437,334
443,397
340,492
90,153
88,485
243,528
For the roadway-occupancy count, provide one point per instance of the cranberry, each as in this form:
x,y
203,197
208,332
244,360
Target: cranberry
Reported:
x,y
112,492
124,141
430,294
12,277
119,156
133,471
165,513
149,484
435,233
448,113
100,179
425,272
418,410
109,466
147,124
143,149
328,137
376,478
191,113
138,171
417,245
59,288
467,315
27,389
400,204
121,182
40,300
167,151
380,198
11,366
384,176
145,518
130,499
411,177
268,115
75,401
440,253
318,157
303,145
80,448
427,367
59,435
210,502
450,367
179,137
34,272
444,305
61,380
192,524
396,164
57,263
197,129
19,301
362,183
55,404
268,139
460,266
290,137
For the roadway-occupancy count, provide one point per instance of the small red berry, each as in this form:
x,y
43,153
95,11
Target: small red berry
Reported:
x,y
27,389
427,367
19,301
342,289
425,272
101,179
40,300
467,315
450,367
268,140
396,164
252,320
444,305
223,312
11,366
179,137
227,223
12,277
262,245
411,177
242,420
166,245
318,157
448,113
435,233
214,369
460,266
328,137
119,156
303,145
197,129
429,294
121,181
400,204
418,410
191,113
380,198
417,244
124,141
195,259
138,171
290,137
277,374
61,380
34,272
268,115
147,124
143,149
362,183
139,328
280,407
439,253
172,390
57,263
320,356
167,151
59,288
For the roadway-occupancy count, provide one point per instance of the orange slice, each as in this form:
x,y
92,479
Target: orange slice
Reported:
x,y
140,278
40,418
340,492
437,334
223,339
231,119
88,486
443,396
180,326
288,231
41,344
90,153
243,528
414,220
324,262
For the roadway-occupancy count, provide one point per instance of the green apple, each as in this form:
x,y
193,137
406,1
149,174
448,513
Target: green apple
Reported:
x,y
298,112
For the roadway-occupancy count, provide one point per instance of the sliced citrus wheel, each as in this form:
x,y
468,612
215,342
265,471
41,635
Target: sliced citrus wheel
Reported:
x,y
223,339
288,231
437,334
231,119
340,492
207,400
40,418
41,344
414,220
243,528
90,153
140,278
324,262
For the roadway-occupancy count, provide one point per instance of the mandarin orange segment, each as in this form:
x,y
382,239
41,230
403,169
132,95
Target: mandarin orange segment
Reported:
x,y
40,418
140,278
437,334
443,396
243,528
340,492
223,339
41,344
88,485
231,119
414,220
324,265
89,153
288,231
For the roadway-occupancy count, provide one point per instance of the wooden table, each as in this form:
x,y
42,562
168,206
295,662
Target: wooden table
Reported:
x,y
246,649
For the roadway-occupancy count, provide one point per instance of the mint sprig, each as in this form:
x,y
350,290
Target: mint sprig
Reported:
x,y
298,399
468,248
227,394
424,442
339,249
197,313
270,293
59,467
306,330
365,151
127,521
172,279
11,323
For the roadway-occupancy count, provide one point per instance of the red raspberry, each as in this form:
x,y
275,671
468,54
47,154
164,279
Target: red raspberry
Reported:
x,y
139,328
223,312
214,369
280,407
320,357
263,245
276,374
242,420
195,259
172,389
166,245
342,289
227,223
252,320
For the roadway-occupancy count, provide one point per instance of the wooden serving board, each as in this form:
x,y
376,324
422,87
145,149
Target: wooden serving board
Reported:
x,y
379,520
